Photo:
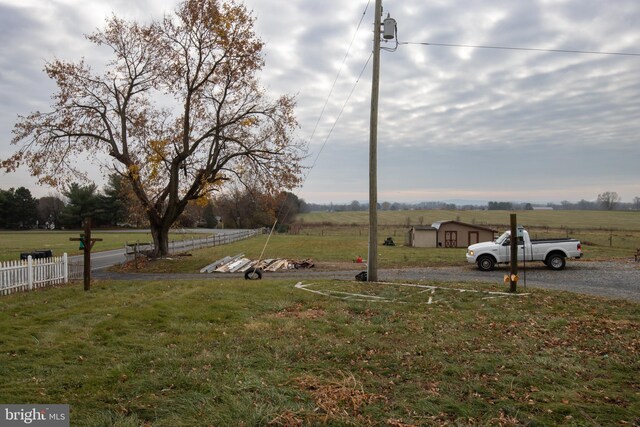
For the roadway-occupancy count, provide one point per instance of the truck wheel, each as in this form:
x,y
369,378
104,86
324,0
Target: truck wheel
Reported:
x,y
555,262
486,263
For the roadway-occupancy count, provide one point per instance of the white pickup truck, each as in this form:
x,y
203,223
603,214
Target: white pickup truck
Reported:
x,y
553,252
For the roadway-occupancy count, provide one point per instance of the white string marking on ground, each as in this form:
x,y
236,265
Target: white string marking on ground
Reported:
x,y
426,288
349,296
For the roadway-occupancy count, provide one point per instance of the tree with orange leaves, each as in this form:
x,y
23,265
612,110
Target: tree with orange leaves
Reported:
x,y
179,111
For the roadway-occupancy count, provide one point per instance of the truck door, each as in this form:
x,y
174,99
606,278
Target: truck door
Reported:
x,y
505,249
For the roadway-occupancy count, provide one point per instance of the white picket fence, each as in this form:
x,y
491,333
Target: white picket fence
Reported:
x,y
29,274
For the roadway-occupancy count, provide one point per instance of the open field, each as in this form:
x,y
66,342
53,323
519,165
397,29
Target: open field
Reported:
x,y
605,235
342,236
337,248
573,220
232,352
329,251
12,243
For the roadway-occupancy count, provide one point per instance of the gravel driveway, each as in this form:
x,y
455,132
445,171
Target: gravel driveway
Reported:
x,y
610,279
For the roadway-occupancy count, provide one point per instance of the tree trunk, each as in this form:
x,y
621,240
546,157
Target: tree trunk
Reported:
x,y
160,236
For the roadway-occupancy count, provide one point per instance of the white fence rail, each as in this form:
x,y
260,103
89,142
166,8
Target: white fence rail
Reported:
x,y
177,246
29,274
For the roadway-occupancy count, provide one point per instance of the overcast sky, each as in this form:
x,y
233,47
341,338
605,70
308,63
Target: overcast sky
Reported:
x,y
455,122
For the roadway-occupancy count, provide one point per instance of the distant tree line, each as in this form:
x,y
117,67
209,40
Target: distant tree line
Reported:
x,y
246,207
117,206
356,206
251,208
609,200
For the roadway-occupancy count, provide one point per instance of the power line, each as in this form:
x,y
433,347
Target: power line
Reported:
x,y
315,161
341,111
591,52
344,60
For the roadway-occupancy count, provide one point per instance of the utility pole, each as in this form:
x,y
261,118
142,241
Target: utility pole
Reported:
x,y
389,33
372,259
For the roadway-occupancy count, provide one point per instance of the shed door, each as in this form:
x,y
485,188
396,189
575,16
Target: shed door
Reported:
x,y
450,239
474,237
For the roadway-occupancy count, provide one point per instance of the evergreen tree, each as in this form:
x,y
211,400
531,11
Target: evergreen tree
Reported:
x,y
83,202
18,209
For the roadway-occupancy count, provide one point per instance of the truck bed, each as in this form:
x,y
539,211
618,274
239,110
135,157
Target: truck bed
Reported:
x,y
553,240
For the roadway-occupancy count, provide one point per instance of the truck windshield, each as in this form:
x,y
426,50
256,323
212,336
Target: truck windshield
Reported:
x,y
502,238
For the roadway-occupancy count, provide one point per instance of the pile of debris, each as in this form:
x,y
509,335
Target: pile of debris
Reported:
x,y
241,264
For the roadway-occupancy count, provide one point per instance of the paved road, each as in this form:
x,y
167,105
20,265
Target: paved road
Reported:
x,y
100,260
620,280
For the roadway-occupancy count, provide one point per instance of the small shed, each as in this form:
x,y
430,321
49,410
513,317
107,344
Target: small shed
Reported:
x,y
449,234
456,234
423,236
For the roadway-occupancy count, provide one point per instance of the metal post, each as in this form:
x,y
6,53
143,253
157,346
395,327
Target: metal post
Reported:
x,y
513,263
372,261
87,253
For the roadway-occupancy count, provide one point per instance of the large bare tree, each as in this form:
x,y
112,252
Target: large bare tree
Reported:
x,y
608,200
179,109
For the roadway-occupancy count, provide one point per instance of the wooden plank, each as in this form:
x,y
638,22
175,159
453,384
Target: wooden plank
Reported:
x,y
276,265
209,268
247,266
235,262
225,267
239,264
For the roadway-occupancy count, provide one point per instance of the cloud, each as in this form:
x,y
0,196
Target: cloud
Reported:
x,y
452,120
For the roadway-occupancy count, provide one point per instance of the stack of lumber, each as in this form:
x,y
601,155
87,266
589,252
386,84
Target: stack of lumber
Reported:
x,y
240,264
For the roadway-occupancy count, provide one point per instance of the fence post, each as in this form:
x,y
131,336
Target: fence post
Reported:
x,y
30,272
65,266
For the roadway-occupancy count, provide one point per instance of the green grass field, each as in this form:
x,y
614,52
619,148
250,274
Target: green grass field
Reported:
x,y
12,243
232,352
336,247
572,220
342,236
328,252
605,235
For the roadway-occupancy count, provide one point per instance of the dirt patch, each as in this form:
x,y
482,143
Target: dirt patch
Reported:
x,y
337,399
299,312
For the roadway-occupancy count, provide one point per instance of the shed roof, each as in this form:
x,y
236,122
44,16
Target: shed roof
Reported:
x,y
423,227
438,224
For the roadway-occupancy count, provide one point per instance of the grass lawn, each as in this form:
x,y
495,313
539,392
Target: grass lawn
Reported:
x,y
604,234
12,243
234,352
338,250
335,251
